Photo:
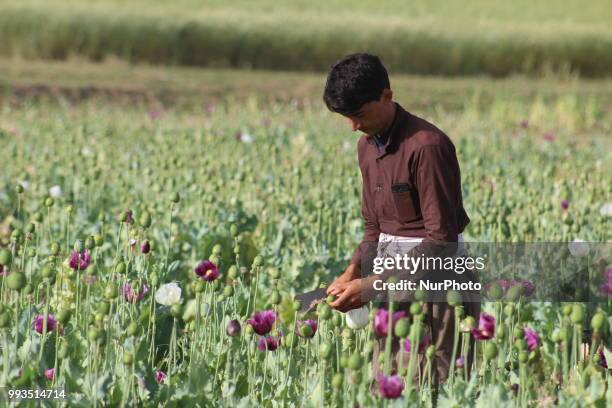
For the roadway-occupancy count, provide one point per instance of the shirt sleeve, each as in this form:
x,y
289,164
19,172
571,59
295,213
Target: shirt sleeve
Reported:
x,y
370,234
439,195
371,227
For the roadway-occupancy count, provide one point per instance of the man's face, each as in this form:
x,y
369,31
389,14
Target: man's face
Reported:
x,y
372,117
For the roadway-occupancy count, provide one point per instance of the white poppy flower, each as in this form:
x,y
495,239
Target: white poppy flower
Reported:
x,y
357,318
578,247
55,191
168,294
246,138
606,209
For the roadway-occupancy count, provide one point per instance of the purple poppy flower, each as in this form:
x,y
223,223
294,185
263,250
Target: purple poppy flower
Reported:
x,y
268,343
390,387
486,327
50,374
528,287
207,270
606,286
79,261
532,338
130,295
262,322
564,204
460,362
503,283
39,322
549,137
145,248
514,387
3,270
381,321
155,114
233,328
160,377
309,322
524,124
422,344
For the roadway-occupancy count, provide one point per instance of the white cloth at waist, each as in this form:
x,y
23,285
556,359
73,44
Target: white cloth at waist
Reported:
x,y
383,237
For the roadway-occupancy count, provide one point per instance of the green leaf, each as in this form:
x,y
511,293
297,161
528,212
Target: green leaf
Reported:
x,y
492,396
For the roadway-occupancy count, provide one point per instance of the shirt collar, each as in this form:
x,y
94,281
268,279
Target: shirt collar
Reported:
x,y
388,135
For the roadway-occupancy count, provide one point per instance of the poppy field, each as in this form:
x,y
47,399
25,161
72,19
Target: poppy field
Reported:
x,y
151,257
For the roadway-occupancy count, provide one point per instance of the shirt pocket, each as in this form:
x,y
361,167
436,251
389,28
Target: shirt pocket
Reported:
x,y
405,201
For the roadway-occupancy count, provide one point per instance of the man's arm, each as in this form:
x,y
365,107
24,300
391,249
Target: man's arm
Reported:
x,y
353,271
370,236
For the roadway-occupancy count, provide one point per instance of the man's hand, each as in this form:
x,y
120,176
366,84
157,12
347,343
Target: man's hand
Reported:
x,y
350,295
352,272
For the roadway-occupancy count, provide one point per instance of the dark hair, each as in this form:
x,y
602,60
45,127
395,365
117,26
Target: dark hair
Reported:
x,y
354,81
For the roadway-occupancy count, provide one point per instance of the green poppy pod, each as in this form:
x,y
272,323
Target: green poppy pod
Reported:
x,y
355,362
598,321
5,320
16,281
128,358
337,381
275,297
145,219
5,257
490,351
110,292
577,315
416,308
402,328
132,329
64,316
324,311
454,298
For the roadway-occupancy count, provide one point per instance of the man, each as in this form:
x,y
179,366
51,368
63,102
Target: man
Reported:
x,y
411,193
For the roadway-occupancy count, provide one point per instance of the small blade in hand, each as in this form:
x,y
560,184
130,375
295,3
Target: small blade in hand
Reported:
x,y
310,299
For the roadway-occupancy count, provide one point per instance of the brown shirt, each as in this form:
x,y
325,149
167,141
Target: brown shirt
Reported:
x,y
412,187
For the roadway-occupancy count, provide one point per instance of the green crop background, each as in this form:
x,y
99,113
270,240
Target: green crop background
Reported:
x,y
438,37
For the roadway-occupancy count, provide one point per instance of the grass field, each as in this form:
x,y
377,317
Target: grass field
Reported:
x,y
431,38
